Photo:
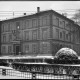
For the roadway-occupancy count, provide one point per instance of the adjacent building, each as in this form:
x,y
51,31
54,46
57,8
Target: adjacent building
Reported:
x,y
42,33
0,37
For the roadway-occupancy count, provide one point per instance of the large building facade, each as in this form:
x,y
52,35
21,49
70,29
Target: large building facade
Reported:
x,y
0,37
43,33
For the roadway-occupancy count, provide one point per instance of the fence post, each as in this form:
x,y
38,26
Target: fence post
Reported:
x,y
33,75
4,72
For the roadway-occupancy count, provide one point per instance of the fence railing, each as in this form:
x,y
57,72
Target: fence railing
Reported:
x,y
58,75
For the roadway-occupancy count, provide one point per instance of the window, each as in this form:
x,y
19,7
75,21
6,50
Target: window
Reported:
x,y
4,38
2,28
10,37
61,35
34,33
40,21
57,33
62,24
68,26
6,27
3,49
67,36
26,35
44,20
24,24
34,47
9,27
9,49
27,48
64,35
44,48
17,25
56,21
44,34
27,24
34,22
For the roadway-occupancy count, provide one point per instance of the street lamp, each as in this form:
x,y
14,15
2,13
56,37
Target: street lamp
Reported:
x,y
18,27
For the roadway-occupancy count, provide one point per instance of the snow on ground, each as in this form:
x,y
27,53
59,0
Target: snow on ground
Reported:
x,y
13,74
10,77
3,67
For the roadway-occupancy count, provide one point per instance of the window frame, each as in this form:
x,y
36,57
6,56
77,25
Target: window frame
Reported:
x,y
33,35
26,38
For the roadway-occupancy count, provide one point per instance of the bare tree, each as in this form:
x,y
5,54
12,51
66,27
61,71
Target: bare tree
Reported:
x,y
76,17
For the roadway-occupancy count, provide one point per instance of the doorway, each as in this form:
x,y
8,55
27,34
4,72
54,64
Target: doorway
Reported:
x,y
17,49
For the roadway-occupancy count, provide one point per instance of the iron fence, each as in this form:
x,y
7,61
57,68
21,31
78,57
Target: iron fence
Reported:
x,y
59,73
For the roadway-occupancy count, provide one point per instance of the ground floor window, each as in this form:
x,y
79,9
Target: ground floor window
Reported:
x,y
3,49
44,48
34,48
26,48
9,49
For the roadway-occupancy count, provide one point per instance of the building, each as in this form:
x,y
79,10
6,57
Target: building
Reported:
x,y
42,33
0,37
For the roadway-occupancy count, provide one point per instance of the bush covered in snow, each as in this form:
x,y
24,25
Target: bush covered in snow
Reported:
x,y
66,55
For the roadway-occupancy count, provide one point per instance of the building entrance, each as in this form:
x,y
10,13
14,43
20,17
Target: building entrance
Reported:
x,y
17,49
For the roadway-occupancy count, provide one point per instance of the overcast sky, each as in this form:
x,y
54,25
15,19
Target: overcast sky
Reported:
x,y
31,6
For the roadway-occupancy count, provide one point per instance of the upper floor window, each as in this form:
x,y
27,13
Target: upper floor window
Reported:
x,y
67,36
57,33
44,33
34,33
27,24
26,35
24,24
4,37
40,21
10,37
17,25
34,22
44,20
6,27
56,21
2,28
9,27
60,35
68,26
64,35
62,24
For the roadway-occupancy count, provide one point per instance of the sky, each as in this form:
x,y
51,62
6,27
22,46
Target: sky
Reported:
x,y
17,8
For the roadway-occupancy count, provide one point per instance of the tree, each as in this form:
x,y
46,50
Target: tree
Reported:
x,y
76,17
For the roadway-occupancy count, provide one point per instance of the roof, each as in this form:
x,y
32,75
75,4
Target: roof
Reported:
x,y
41,12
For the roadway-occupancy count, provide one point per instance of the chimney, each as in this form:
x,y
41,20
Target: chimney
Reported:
x,y
38,9
24,13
